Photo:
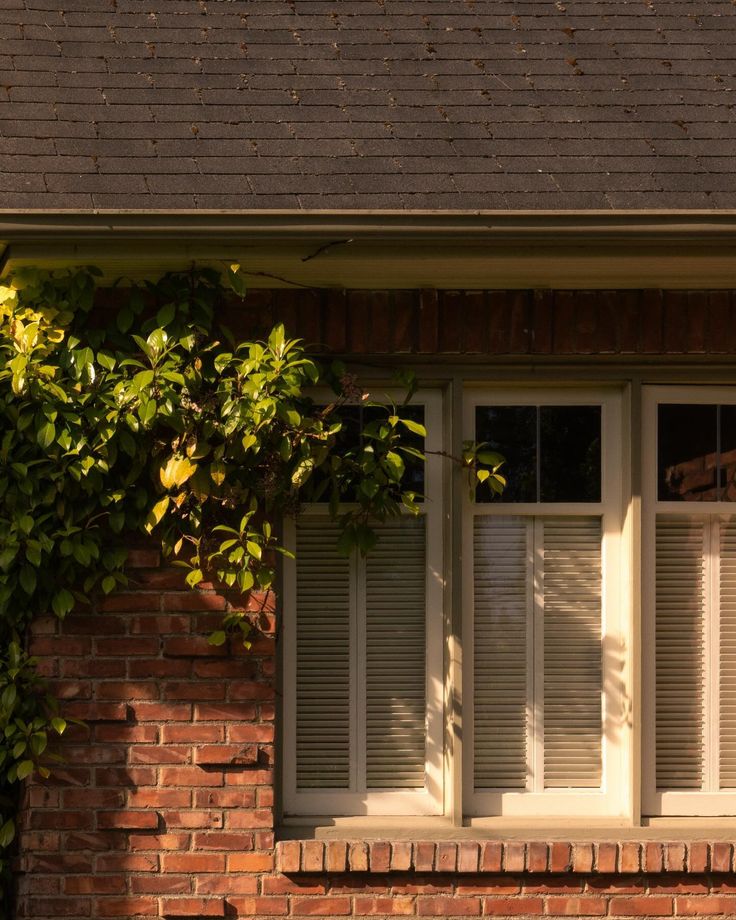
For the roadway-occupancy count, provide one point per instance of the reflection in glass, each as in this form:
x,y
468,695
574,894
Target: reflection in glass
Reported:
x,y
687,452
570,453
512,431
727,458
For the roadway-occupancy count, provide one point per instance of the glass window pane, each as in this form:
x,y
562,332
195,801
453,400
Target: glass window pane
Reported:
x,y
728,453
570,449
512,431
687,449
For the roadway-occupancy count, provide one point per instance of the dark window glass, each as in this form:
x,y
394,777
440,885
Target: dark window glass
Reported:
x,y
570,453
687,452
355,418
512,431
728,453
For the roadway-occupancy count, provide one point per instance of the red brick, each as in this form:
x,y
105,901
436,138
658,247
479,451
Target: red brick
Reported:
x,y
193,819
96,712
193,907
537,855
155,753
122,648
228,884
386,907
195,862
491,857
358,857
251,818
159,667
162,712
448,907
156,842
720,857
325,907
424,856
674,857
224,712
191,776
159,798
191,733
576,907
193,601
192,647
228,754
629,857
697,857
489,884
514,857
702,906
197,691
160,884
61,647
127,690
401,856
59,907
259,907
250,690
313,856
379,856
560,859
250,862
512,907
336,856
299,884
94,884
127,819
142,559
582,857
126,907
215,840
468,854
654,857
228,798
605,857
126,734
127,862
446,857
651,906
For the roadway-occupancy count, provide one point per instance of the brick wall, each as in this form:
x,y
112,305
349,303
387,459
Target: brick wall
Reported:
x,y
164,806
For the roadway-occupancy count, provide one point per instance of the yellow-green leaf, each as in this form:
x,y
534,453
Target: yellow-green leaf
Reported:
x,y
176,471
156,513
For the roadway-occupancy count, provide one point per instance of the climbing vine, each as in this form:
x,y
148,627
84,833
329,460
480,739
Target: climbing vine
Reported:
x,y
153,418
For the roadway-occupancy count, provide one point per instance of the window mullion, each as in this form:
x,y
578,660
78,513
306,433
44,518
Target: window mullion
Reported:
x,y
536,646
711,670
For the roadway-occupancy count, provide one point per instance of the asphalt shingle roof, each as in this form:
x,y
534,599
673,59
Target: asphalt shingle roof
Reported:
x,y
367,104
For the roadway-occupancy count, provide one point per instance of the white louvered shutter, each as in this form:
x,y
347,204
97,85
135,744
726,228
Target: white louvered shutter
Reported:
x,y
727,670
537,591
501,632
395,669
323,628
680,611
572,652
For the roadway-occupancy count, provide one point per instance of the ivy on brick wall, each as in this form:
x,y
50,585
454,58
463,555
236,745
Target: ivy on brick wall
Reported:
x,y
151,418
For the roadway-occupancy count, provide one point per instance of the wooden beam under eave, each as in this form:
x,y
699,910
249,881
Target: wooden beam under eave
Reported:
x,y
377,264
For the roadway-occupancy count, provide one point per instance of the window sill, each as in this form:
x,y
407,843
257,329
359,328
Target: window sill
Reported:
x,y
466,851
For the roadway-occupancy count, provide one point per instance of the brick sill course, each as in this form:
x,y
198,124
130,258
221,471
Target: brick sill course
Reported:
x,y
499,857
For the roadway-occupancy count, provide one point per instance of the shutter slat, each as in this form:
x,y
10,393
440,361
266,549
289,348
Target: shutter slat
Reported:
x,y
500,558
727,667
395,583
680,610
572,652
323,658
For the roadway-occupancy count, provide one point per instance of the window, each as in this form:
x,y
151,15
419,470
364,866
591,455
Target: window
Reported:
x,y
690,546
541,593
563,584
363,651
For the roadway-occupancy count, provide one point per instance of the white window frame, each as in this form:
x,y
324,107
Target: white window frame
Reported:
x,y
612,799
711,801
355,802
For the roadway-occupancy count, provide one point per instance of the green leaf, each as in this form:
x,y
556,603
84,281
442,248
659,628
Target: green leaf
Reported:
x,y
59,725
108,583
166,314
156,513
125,319
414,427
217,638
62,603
25,768
27,578
7,833
194,578
176,471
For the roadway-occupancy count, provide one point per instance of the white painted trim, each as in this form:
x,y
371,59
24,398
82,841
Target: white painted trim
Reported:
x,y
614,797
710,800
358,801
